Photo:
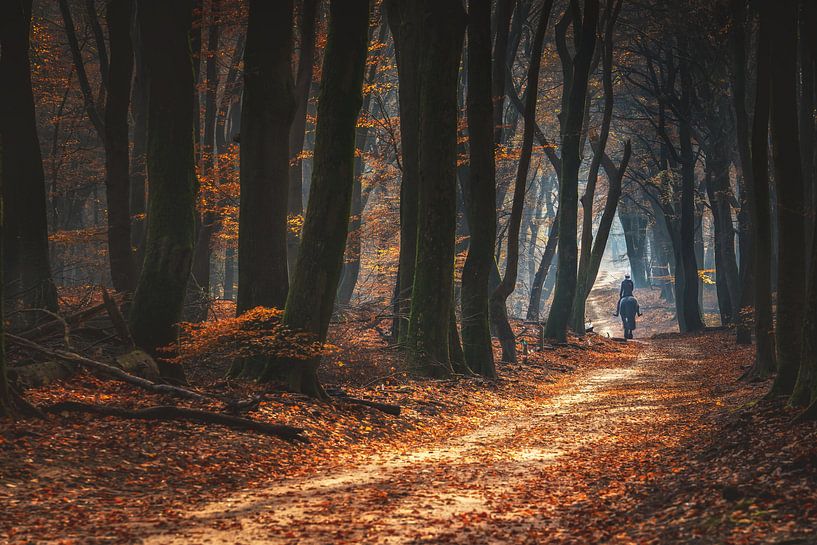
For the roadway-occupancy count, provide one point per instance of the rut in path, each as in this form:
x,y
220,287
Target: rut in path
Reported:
x,y
529,475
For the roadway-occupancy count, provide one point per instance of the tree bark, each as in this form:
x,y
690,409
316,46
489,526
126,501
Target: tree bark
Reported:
x,y
738,85
5,392
117,146
311,299
157,304
559,316
506,287
266,114
297,131
690,304
27,271
405,25
476,332
584,281
502,19
765,361
443,28
791,278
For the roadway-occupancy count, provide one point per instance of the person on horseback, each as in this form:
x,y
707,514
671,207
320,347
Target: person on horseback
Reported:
x,y
626,290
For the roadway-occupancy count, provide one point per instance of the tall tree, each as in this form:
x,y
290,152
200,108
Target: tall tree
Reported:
x,y
690,304
25,262
117,145
508,283
267,112
574,115
791,277
585,281
480,194
738,83
405,26
5,396
208,166
759,209
311,299
157,305
443,28
112,125
303,84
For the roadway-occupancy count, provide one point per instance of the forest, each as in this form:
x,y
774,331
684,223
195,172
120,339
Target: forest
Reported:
x,y
408,271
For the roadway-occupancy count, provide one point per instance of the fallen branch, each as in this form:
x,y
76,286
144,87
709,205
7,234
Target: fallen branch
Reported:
x,y
110,370
171,413
384,407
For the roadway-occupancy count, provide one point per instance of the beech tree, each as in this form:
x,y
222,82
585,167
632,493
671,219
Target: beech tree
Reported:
x,y
791,277
311,298
266,114
480,194
157,304
27,270
440,48
559,316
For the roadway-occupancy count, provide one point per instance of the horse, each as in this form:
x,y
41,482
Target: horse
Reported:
x,y
629,310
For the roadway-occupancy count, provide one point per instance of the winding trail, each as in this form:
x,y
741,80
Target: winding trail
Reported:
x,y
530,475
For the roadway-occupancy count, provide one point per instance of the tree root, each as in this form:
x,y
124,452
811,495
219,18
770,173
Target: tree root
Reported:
x,y
172,413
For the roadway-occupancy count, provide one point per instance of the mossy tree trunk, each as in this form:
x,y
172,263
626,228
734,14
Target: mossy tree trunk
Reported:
x,y
266,113
506,286
25,236
791,277
442,31
574,115
405,25
320,260
158,301
481,195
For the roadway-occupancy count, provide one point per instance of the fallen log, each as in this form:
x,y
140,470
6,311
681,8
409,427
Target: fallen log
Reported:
x,y
38,374
172,413
111,370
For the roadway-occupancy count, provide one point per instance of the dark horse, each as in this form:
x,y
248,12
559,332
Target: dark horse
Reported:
x,y
629,310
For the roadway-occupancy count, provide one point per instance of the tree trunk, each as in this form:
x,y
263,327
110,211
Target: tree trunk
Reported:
x,y
311,300
738,85
443,28
536,291
584,280
559,316
117,179
508,283
138,163
791,290
297,131
719,193
27,270
157,303
502,20
405,27
266,114
208,225
5,393
760,214
476,332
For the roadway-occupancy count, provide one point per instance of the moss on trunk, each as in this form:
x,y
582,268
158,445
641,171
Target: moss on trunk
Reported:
x,y
160,292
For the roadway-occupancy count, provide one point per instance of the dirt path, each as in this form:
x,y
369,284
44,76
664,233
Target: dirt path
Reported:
x,y
526,476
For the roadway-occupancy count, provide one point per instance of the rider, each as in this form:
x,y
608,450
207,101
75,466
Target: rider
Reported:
x,y
626,290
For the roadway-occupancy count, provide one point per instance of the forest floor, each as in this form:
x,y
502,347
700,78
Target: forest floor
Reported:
x,y
595,441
